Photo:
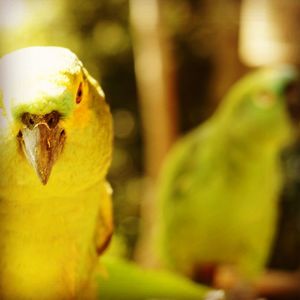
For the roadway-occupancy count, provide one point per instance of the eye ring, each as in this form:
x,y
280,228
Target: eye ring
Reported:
x,y
264,99
79,94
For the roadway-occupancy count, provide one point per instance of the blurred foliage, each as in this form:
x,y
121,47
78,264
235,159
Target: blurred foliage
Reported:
x,y
193,39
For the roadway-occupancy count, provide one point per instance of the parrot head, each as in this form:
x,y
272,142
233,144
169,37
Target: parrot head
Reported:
x,y
264,106
48,102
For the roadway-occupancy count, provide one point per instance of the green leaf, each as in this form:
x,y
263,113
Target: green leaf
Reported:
x,y
127,280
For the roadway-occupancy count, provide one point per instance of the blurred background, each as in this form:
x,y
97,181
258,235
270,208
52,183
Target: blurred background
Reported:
x,y
164,66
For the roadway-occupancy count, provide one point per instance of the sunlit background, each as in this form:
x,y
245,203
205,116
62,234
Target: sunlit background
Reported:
x,y
164,66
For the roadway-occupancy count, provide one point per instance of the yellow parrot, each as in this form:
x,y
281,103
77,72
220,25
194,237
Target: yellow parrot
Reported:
x,y
55,203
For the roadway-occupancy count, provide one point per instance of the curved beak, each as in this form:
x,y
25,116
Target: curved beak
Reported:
x,y
42,146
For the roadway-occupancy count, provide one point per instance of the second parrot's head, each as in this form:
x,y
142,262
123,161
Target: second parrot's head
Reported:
x,y
46,95
264,106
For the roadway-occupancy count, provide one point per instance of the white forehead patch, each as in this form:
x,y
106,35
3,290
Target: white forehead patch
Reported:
x,y
28,73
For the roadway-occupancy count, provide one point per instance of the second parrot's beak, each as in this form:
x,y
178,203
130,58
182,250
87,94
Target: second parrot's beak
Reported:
x,y
42,141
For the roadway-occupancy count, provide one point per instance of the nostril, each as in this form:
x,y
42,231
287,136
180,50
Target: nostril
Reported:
x,y
31,121
51,122
28,120
52,119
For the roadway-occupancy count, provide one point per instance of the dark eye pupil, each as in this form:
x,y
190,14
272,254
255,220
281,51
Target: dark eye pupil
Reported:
x,y
79,94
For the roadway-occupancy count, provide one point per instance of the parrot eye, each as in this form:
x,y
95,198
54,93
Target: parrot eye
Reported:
x,y
79,94
264,99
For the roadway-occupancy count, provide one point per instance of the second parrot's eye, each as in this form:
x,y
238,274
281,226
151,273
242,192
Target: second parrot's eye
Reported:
x,y
264,99
79,94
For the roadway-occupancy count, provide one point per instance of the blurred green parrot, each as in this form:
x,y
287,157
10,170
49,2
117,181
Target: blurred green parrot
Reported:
x,y
54,121
219,185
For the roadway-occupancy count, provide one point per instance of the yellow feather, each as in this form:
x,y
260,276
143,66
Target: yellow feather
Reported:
x,y
49,234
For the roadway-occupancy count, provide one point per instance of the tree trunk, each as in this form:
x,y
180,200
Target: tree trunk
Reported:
x,y
158,105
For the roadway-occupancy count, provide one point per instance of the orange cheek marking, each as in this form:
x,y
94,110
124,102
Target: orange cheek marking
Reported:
x,y
80,118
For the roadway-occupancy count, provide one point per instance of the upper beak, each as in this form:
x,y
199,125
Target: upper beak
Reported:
x,y
42,141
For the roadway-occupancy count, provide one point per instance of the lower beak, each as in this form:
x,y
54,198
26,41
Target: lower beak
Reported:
x,y
42,146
